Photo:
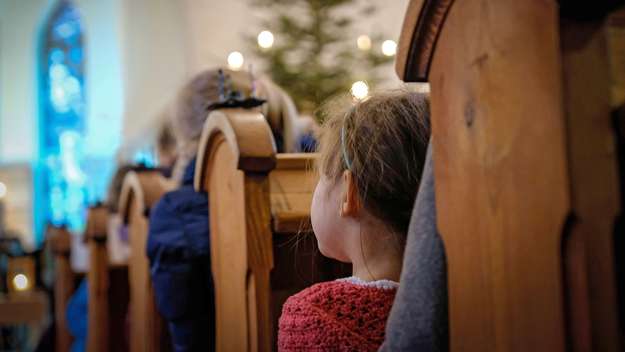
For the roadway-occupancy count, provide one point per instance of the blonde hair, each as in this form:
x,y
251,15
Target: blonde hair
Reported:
x,y
383,142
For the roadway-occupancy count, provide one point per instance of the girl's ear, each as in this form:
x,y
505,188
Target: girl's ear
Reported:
x,y
350,201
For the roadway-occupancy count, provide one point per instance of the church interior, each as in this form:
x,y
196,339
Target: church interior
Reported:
x,y
312,175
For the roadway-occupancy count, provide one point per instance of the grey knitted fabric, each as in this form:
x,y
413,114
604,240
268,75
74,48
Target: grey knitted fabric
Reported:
x,y
418,320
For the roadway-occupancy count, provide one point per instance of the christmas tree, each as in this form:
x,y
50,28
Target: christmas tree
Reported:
x,y
316,53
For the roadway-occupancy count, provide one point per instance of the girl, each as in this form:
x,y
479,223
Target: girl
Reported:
x,y
371,161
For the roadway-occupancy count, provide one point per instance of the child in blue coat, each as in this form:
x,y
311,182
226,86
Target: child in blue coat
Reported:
x,y
178,240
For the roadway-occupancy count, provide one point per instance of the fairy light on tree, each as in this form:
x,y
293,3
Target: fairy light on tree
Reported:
x,y
363,42
389,48
360,90
235,60
315,57
265,39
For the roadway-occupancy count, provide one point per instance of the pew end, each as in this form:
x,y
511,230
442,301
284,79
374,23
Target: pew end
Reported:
x,y
259,211
59,241
140,192
108,287
530,266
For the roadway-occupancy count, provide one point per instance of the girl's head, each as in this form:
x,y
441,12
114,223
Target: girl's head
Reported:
x,y
371,159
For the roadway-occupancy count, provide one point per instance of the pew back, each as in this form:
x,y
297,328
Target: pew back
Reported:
x,y
520,158
258,203
98,280
108,288
140,191
59,240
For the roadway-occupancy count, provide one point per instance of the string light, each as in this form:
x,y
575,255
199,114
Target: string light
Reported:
x,y
265,39
363,42
360,90
235,60
20,282
389,48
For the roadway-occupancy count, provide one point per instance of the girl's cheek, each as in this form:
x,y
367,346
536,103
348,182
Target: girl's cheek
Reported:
x,y
315,211
324,216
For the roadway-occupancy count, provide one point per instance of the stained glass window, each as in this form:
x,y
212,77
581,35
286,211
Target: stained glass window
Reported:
x,y
63,196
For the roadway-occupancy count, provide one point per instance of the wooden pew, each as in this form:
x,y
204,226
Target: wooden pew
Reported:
x,y
97,276
60,242
140,191
108,288
259,202
525,169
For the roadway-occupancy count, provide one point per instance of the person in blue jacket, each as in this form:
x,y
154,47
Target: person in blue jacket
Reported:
x,y
178,245
180,265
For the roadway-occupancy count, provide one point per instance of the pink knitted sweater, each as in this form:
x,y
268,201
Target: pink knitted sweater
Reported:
x,y
343,315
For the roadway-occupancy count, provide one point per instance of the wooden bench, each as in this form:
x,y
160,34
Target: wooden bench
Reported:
x,y
108,288
525,170
60,241
259,205
140,191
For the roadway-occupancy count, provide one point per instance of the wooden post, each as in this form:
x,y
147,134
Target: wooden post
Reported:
x,y
98,280
140,191
236,153
258,202
60,242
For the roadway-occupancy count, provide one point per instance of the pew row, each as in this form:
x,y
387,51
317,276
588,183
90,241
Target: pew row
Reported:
x,y
140,191
259,205
526,186
108,288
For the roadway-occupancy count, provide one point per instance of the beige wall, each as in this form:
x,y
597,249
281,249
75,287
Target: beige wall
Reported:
x,y
215,28
18,200
139,52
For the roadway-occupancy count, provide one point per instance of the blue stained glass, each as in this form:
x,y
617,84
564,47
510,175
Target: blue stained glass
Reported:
x,y
63,122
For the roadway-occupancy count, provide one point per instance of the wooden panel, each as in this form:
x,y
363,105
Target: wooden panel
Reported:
x,y
592,170
296,161
30,307
140,191
97,276
501,175
292,184
59,240
291,222
228,252
245,198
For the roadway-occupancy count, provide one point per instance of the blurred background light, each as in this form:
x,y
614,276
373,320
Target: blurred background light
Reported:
x,y
389,47
363,42
265,39
360,90
235,60
20,282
